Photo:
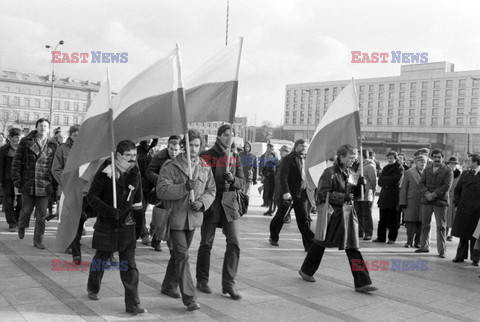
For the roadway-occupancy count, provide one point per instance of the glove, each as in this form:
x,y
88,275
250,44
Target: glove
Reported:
x,y
190,184
362,181
228,176
196,206
287,196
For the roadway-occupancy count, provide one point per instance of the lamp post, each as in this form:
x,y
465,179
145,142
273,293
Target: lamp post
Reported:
x,y
61,42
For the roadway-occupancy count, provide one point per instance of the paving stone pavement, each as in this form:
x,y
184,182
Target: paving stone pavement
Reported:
x,y
434,290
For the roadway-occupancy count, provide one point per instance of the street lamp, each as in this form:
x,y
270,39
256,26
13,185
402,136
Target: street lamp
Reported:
x,y
61,42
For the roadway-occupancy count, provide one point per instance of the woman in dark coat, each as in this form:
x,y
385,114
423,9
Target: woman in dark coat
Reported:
x,y
389,180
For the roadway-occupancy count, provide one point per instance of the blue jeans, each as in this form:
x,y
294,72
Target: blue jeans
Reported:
x,y
232,253
40,204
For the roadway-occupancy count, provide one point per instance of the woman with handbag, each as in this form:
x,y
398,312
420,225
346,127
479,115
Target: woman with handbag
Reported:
x,y
174,189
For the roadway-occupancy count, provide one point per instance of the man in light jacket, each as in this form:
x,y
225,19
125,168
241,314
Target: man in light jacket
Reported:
x,y
364,208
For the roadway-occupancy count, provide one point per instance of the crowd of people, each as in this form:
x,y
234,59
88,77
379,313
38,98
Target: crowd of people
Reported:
x,y
200,189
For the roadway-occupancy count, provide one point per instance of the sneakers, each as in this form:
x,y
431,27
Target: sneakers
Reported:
x,y
193,306
273,243
21,233
366,289
171,292
306,277
203,287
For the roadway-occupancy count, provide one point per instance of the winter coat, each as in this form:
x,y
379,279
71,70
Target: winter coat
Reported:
x,y
111,235
342,228
438,182
451,206
153,168
467,200
410,195
6,160
291,175
172,191
249,164
59,162
389,181
216,158
31,168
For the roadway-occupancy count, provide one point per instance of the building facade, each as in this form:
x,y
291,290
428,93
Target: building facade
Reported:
x,y
427,105
25,98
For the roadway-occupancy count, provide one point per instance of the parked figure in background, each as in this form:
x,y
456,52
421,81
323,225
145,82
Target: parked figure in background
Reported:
x,y
363,207
174,188
467,200
293,186
250,166
12,199
435,182
143,159
31,173
389,180
339,183
453,164
169,153
277,197
410,195
222,214
115,227
268,164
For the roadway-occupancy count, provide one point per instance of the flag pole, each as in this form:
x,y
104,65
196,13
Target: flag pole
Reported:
x,y
357,128
110,114
183,114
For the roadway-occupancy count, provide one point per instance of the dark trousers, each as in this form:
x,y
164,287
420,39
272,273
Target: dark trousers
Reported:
x,y
40,204
414,230
178,269
301,208
462,249
389,219
365,220
361,277
129,276
232,253
76,251
12,205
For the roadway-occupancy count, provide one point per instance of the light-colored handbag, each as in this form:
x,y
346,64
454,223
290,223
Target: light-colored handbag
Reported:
x,y
161,222
324,212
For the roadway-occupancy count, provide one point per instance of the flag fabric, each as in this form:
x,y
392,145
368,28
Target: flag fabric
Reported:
x,y
339,126
147,106
94,141
211,91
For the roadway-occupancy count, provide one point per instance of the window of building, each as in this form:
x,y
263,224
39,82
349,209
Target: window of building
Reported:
x,y
380,104
294,121
66,105
287,113
473,121
424,85
411,112
302,113
423,121
47,103
448,102
379,112
401,103
446,121
413,95
309,106
380,96
370,96
474,91
460,120
16,101
424,94
448,111
369,120
401,95
55,119
436,84
400,112
335,89
411,121
412,103
371,88
474,101
379,120
434,120
435,102
390,112
423,103
461,92
370,112
391,95
15,116
436,93
390,104
301,120
448,93
27,102
361,97
302,106
413,85
26,117
294,113
460,110
423,112
473,111
285,121
461,102
449,83
402,86
389,121
462,82
6,100
37,92
400,121
361,88
381,87
370,104
37,103
391,87
435,111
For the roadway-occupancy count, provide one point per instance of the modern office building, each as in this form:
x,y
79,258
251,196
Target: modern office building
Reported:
x,y
427,105
25,97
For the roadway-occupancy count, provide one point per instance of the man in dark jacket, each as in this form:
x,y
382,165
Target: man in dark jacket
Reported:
x,y
115,227
435,183
388,202
152,173
143,159
293,187
339,186
31,173
467,200
223,213
7,151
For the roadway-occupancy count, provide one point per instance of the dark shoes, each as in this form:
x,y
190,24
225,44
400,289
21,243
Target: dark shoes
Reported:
x,y
50,217
306,277
77,260
475,263
378,241
366,289
21,233
39,245
407,245
268,213
93,296
458,260
273,243
417,246
422,250
203,287
391,242
193,306
136,310
230,290
367,237
442,255
171,292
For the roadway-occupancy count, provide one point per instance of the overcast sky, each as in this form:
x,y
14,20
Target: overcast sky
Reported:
x,y
285,41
